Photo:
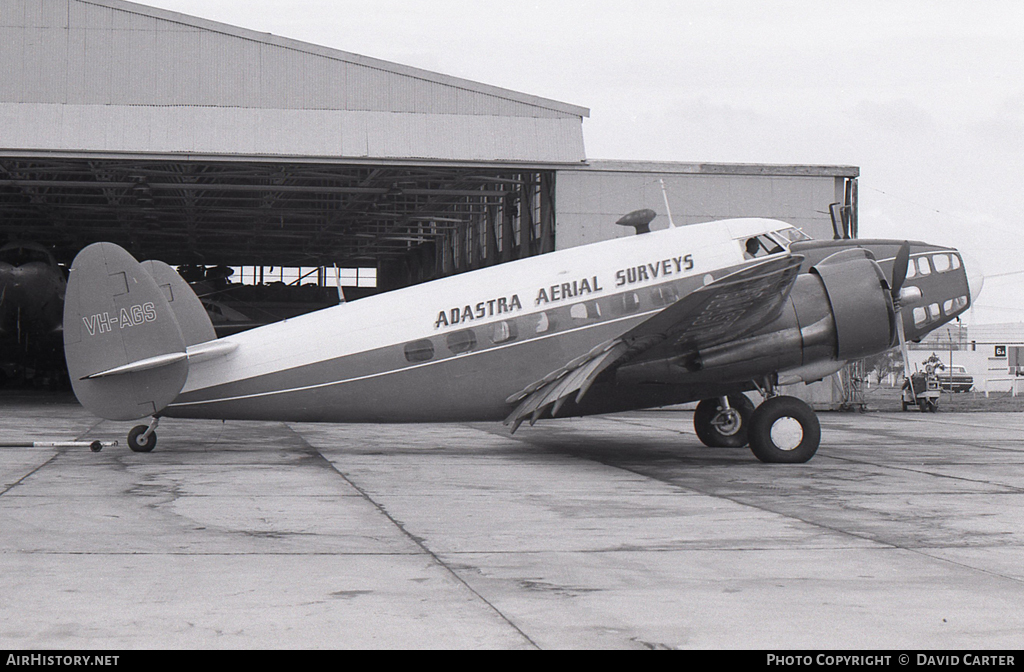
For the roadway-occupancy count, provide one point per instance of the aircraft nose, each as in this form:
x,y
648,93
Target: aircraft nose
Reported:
x,y
975,276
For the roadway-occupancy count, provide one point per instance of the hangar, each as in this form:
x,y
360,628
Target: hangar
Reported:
x,y
203,143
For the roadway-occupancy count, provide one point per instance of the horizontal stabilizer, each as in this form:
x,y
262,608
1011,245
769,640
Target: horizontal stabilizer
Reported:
x,y
141,365
126,354
211,350
193,353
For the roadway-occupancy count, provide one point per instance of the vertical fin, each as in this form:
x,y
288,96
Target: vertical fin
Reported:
x,y
195,323
116,315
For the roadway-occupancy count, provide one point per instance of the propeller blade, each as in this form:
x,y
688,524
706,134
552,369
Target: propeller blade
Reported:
x,y
900,265
899,269
905,351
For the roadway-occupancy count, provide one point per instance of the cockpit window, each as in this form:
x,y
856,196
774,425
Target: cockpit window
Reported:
x,y
756,247
18,256
790,235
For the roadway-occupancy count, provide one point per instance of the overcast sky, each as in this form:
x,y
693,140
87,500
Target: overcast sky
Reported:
x,y
926,97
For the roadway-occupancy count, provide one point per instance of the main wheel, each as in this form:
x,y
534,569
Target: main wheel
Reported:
x,y
784,430
718,428
137,443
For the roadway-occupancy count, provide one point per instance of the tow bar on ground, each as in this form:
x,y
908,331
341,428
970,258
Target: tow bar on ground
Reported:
x,y
94,446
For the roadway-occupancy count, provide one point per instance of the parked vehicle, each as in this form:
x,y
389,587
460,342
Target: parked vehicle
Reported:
x,y
921,389
955,379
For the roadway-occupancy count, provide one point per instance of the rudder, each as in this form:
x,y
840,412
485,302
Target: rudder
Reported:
x,y
188,310
124,348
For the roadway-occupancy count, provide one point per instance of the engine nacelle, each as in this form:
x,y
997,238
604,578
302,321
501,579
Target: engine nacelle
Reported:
x,y
861,306
841,310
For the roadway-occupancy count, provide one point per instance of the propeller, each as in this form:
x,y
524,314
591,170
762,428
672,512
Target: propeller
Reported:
x,y
900,264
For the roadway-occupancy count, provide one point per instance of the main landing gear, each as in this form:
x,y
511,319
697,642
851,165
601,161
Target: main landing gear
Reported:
x,y
142,438
781,430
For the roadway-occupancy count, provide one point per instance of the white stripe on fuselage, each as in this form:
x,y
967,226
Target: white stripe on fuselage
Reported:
x,y
412,313
379,374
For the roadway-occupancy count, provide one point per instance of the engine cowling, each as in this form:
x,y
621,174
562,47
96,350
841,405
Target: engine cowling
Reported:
x,y
858,294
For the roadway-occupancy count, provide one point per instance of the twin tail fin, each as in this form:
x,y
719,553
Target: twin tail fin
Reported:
x,y
129,332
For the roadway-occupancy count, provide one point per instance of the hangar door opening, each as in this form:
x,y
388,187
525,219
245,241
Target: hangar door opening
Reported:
x,y
412,223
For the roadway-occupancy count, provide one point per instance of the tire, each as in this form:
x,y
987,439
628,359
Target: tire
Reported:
x,y
784,430
715,431
137,443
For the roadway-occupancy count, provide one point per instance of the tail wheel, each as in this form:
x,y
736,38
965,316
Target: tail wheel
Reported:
x,y
719,427
138,442
784,430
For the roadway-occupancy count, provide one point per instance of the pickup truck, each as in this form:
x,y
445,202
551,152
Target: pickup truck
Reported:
x,y
955,379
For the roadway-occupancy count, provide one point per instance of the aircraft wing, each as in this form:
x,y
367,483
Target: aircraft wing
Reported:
x,y
720,311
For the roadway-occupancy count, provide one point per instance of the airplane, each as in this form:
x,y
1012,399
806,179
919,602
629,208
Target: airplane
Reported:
x,y
704,313
32,287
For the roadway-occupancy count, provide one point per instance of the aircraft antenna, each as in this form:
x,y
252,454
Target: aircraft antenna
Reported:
x,y
664,195
337,282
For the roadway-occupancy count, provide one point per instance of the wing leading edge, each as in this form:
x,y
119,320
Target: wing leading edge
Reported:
x,y
722,310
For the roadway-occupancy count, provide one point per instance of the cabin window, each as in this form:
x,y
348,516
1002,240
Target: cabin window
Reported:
x,y
545,323
923,267
665,295
502,332
934,312
920,316
626,303
945,262
589,310
461,341
419,351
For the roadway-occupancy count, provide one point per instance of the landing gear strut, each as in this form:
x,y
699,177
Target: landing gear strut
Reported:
x,y
722,422
142,438
781,430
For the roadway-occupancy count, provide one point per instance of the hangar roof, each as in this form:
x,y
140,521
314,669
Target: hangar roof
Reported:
x,y
708,168
195,141
119,77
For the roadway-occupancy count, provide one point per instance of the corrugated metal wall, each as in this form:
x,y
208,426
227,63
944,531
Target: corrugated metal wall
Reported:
x,y
83,54
291,133
591,200
77,52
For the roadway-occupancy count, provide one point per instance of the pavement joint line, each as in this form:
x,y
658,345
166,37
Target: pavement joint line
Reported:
x,y
22,479
883,544
1006,489
415,540
693,488
923,551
